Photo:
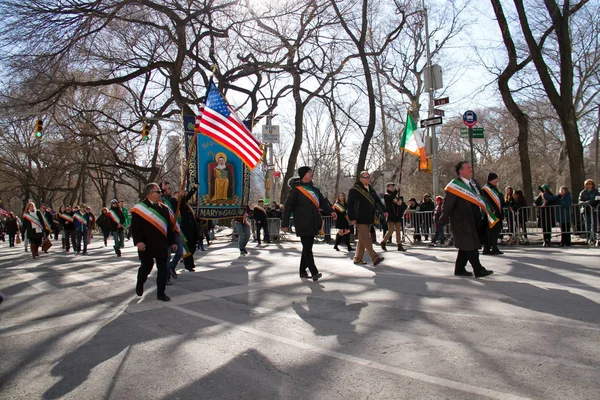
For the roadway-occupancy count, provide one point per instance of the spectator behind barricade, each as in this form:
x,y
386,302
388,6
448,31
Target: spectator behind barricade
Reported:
x,y
439,227
546,213
589,199
510,212
412,217
521,216
563,215
427,205
277,212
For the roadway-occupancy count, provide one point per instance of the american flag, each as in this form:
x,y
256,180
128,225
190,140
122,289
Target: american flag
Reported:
x,y
218,121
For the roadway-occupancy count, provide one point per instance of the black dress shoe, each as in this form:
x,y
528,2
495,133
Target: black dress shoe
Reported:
x,y
497,252
139,289
378,261
317,276
164,297
484,273
463,273
336,248
350,248
304,276
383,246
191,269
173,273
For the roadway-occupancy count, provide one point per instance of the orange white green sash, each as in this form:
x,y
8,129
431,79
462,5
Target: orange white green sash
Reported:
x,y
337,206
310,194
35,222
80,218
45,221
462,190
151,216
114,216
494,195
66,217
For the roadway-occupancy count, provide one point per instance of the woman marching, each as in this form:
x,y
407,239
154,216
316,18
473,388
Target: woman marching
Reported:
x,y
34,228
342,223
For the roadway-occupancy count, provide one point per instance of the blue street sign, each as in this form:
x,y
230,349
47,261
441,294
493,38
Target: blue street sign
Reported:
x,y
470,118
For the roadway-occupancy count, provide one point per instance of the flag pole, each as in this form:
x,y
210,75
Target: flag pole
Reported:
x,y
191,151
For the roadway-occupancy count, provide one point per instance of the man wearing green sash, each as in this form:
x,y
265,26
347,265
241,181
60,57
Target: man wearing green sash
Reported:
x,y
153,235
464,208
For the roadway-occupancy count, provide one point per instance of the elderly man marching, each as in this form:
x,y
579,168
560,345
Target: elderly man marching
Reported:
x,y
467,212
153,235
362,205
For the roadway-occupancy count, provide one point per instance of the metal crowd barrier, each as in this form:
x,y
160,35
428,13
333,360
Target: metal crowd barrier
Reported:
x,y
532,223
522,226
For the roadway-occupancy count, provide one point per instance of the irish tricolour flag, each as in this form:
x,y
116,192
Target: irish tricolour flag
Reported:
x,y
411,142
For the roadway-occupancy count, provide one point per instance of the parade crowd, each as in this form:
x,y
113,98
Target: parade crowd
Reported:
x,y
165,229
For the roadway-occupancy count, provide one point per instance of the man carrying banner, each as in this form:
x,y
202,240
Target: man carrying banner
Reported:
x,y
171,204
467,212
153,235
305,201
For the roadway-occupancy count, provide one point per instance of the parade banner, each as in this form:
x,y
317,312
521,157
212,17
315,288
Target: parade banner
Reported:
x,y
223,181
188,129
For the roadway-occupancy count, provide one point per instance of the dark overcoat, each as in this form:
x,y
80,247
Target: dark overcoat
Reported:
x,y
307,217
363,204
157,245
465,221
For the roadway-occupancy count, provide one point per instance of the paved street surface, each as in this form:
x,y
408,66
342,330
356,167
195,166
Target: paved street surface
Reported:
x,y
248,328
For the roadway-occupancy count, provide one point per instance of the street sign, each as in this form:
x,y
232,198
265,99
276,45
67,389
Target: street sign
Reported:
x,y
477,133
431,122
470,118
438,112
442,101
270,134
276,174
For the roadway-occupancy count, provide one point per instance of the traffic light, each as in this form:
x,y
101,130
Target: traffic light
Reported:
x,y
39,128
145,132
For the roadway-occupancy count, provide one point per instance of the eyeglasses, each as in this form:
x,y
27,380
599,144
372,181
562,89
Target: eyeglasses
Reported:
x,y
157,191
365,177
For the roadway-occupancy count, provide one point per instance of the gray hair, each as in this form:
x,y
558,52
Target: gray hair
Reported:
x,y
149,188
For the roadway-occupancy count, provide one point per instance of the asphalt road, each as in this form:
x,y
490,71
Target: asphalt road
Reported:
x,y
248,328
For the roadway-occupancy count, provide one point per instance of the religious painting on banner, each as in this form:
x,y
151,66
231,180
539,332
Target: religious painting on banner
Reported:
x,y
223,181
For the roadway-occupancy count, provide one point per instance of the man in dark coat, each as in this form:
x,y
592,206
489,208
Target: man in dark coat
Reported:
x,y
362,204
463,207
117,219
496,201
69,227
153,234
395,209
260,219
305,201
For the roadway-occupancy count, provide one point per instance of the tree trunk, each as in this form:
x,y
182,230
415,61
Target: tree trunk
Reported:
x,y
298,120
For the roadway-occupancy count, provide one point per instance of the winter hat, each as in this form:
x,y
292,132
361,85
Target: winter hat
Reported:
x,y
413,199
114,201
303,171
492,176
546,186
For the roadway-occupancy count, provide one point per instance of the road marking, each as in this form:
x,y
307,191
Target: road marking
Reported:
x,y
31,279
464,387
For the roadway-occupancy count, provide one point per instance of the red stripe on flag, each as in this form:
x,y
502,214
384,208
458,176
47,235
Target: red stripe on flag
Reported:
x,y
222,125
234,134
